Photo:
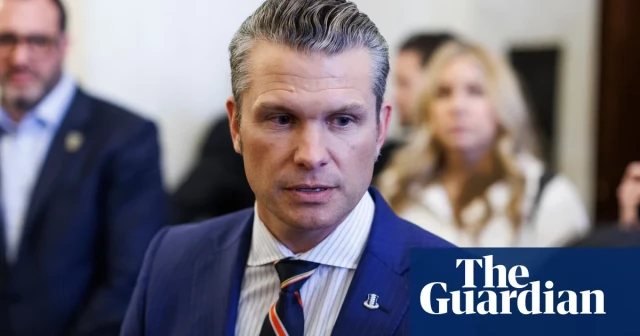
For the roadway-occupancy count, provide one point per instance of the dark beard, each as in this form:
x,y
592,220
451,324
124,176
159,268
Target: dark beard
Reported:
x,y
24,104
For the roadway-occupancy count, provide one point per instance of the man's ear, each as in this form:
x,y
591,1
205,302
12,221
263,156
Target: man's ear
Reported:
x,y
234,125
384,122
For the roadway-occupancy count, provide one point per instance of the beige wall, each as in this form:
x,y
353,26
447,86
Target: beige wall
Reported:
x,y
168,59
75,58
571,24
501,23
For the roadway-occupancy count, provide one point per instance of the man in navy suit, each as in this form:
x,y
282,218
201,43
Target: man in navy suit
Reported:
x,y
321,253
81,194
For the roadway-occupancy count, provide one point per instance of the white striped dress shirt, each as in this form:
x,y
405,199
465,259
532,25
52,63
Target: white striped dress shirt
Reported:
x,y
324,292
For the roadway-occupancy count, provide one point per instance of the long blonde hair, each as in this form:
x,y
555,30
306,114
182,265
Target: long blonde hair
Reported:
x,y
421,161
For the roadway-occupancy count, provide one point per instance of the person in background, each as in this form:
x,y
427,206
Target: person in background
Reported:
x,y
217,184
410,63
629,196
81,192
626,231
308,116
471,173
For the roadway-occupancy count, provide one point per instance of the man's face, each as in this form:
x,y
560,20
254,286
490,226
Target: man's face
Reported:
x,y
32,49
308,134
408,79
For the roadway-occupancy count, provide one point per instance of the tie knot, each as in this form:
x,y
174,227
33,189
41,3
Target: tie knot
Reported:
x,y
293,273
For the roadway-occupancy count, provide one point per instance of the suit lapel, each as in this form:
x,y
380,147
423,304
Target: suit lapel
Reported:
x,y
58,157
373,277
4,267
2,238
382,270
218,281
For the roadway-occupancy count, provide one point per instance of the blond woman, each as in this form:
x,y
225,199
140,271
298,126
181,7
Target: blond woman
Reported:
x,y
471,172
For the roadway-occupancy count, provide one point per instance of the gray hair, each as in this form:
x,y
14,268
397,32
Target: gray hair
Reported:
x,y
325,26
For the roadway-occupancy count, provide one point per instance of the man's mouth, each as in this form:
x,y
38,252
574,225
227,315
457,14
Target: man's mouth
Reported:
x,y
21,77
310,188
311,194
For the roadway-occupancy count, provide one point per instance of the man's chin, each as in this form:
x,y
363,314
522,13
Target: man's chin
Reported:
x,y
313,220
23,100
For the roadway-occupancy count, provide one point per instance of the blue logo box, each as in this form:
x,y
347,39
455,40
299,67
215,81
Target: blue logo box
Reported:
x,y
525,291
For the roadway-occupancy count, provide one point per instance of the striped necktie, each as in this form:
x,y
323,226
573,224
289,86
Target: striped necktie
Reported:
x,y
286,317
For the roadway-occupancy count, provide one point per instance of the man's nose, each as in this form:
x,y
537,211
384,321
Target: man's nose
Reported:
x,y
20,54
311,152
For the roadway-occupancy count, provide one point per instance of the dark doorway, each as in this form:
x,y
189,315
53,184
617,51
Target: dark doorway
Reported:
x,y
537,69
619,103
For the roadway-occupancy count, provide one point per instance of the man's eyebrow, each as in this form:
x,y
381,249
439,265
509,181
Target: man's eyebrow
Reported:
x,y
351,108
272,107
354,108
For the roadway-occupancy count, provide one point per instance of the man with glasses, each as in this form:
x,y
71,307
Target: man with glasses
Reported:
x,y
81,193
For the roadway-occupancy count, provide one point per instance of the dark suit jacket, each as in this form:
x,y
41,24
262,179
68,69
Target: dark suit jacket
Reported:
x,y
91,217
217,184
191,279
608,235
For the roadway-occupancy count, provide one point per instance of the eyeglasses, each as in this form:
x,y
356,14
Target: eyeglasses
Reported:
x,y
39,45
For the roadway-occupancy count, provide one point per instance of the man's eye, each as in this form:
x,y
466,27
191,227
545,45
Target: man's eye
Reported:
x,y
38,41
282,120
8,40
343,121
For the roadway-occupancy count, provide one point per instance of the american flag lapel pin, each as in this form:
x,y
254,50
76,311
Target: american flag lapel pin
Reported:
x,y
73,141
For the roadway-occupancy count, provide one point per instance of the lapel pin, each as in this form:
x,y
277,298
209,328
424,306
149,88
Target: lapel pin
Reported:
x,y
73,141
372,301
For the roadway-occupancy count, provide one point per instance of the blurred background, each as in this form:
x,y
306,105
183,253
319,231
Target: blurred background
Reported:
x,y
167,60
84,183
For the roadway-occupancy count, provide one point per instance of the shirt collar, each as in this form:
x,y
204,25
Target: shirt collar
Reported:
x,y
51,110
342,248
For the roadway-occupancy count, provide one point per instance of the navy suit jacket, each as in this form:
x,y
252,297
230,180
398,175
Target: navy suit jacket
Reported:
x,y
92,214
191,279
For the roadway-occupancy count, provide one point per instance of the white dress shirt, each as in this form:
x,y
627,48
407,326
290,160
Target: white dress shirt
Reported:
x,y
324,292
559,219
23,149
